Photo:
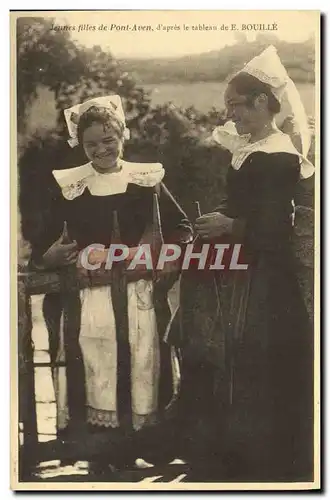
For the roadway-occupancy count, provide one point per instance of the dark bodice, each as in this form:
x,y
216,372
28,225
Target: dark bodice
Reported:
x,y
261,193
90,218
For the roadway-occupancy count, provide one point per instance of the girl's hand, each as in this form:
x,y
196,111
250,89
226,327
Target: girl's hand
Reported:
x,y
60,254
213,225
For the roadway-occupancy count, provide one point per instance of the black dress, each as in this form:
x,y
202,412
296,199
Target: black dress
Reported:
x,y
90,220
248,341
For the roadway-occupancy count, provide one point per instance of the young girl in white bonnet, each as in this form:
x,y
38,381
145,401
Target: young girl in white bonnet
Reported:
x,y
121,374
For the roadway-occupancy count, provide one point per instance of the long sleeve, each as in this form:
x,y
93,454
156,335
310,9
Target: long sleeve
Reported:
x,y
222,207
49,228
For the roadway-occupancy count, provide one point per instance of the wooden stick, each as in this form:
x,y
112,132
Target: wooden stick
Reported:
x,y
27,403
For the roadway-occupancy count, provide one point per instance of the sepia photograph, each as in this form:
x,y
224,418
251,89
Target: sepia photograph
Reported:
x,y
165,220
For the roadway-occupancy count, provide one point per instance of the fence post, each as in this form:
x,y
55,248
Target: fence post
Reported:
x,y
27,403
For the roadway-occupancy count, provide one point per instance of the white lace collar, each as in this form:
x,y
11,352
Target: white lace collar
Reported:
x,y
74,181
241,148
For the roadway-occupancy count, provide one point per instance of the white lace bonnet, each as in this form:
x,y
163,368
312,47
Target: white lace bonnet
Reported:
x,y
268,68
72,115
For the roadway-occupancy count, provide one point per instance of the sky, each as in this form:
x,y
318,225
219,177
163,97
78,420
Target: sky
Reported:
x,y
176,41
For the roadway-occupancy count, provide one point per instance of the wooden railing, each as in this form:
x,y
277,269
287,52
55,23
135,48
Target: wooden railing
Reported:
x,y
68,282
35,283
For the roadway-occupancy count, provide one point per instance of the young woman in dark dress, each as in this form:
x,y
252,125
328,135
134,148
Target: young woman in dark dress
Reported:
x,y
248,341
121,374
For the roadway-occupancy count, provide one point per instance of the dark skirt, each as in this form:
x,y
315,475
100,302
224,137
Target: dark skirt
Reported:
x,y
248,371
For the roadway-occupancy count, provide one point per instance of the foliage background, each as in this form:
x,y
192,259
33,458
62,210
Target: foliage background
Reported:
x,y
175,136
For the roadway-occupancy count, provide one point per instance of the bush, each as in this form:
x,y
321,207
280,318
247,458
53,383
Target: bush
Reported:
x,y
195,170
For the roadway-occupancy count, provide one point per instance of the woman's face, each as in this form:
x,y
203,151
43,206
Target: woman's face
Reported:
x,y
102,146
245,116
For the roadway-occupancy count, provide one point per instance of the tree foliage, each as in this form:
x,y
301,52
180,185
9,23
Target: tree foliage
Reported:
x,y
195,170
74,73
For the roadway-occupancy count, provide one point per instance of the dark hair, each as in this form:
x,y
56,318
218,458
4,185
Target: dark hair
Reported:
x,y
103,116
249,86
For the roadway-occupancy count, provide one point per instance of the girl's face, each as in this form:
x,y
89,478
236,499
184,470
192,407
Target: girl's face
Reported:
x,y
102,146
245,117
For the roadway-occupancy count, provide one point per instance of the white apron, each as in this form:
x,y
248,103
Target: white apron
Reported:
x,y
99,349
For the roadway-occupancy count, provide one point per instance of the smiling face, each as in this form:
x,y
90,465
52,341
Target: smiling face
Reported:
x,y
250,104
241,111
102,146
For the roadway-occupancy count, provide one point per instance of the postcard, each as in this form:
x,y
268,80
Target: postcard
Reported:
x,y
165,233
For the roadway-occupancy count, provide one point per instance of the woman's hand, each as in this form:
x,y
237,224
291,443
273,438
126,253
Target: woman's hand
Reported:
x,y
213,225
60,254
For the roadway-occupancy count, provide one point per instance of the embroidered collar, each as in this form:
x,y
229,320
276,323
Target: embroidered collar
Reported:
x,y
241,148
74,181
